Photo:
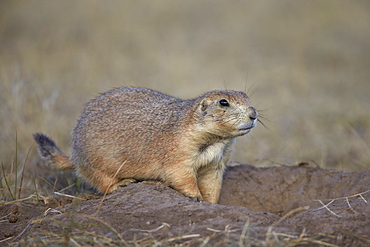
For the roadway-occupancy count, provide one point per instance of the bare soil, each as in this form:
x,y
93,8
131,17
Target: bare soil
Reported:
x,y
281,205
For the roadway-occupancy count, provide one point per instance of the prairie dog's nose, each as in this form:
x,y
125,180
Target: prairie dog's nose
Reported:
x,y
252,113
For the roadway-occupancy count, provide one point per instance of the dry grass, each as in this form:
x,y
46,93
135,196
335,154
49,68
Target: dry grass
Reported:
x,y
91,231
307,61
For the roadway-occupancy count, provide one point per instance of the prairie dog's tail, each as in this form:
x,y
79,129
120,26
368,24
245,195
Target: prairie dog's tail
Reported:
x,y
49,151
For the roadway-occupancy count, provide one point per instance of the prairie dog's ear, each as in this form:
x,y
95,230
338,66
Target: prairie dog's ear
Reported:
x,y
204,104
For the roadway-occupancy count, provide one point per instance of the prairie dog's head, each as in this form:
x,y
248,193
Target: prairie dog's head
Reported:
x,y
226,113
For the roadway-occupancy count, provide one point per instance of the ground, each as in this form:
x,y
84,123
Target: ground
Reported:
x,y
274,206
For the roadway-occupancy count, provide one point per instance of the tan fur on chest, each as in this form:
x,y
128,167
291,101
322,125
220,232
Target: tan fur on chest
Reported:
x,y
211,154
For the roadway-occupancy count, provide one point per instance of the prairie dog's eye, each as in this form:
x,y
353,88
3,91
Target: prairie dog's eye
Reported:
x,y
224,102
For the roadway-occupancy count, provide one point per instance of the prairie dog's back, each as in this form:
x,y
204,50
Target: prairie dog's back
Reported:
x,y
131,108
112,120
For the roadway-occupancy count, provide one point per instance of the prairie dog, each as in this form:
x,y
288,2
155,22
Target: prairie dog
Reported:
x,y
131,133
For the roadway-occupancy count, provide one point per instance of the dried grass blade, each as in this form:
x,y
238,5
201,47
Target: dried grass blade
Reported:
x,y
327,208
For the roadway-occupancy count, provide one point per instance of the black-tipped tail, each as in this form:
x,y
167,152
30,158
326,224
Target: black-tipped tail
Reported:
x,y
49,151
47,147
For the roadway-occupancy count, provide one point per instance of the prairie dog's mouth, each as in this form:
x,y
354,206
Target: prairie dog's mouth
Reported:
x,y
245,127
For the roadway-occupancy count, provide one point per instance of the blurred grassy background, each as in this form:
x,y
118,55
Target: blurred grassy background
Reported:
x,y
307,61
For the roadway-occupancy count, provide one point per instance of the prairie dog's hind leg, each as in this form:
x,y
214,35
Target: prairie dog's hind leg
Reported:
x,y
125,182
99,179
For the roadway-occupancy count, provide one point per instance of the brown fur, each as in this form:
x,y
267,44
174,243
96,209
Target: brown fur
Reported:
x,y
132,134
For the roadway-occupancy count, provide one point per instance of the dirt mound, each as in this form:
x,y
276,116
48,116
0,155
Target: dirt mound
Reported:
x,y
279,190
258,206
